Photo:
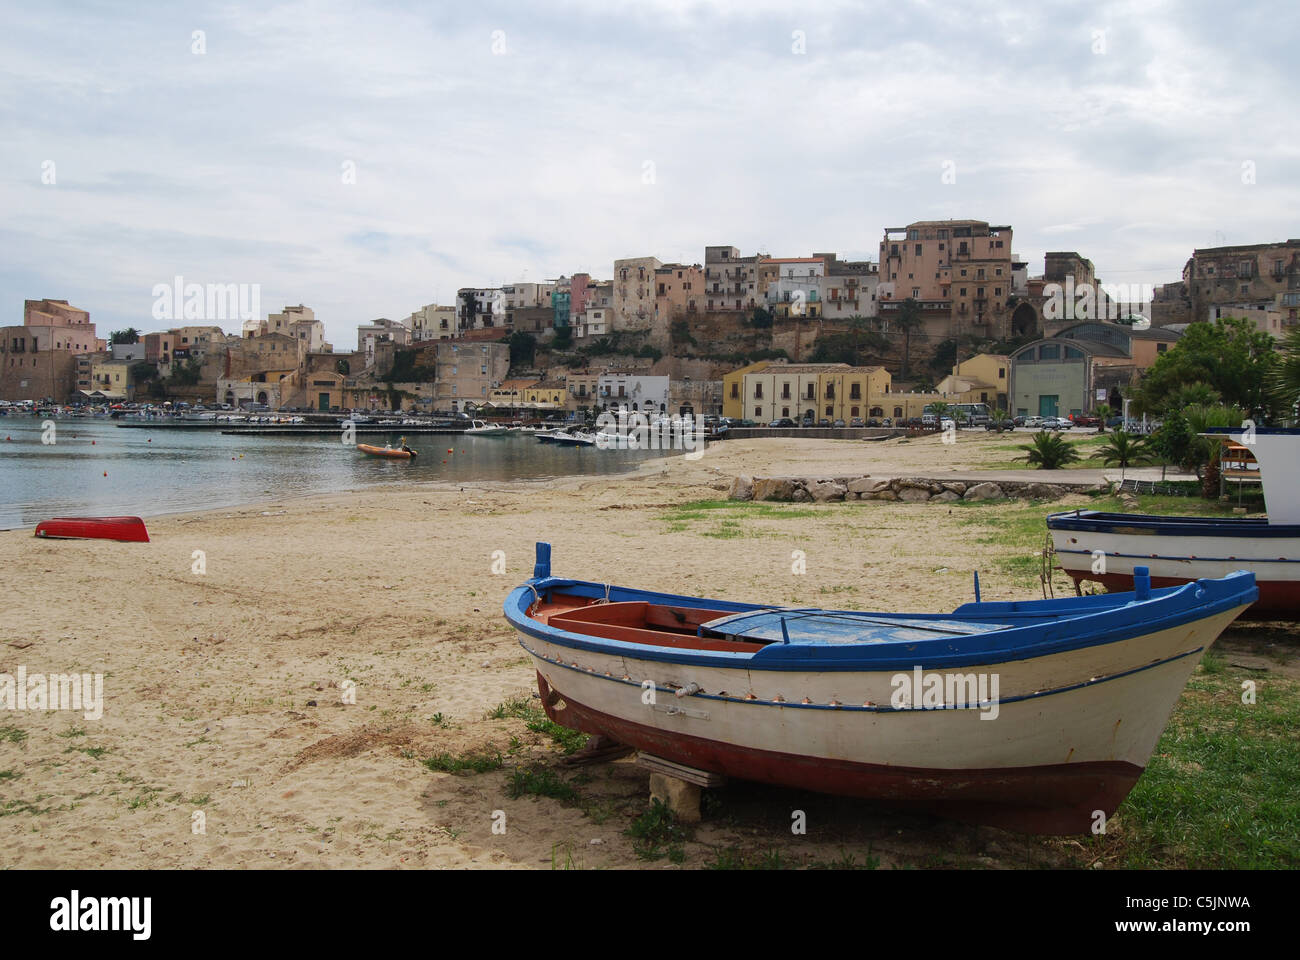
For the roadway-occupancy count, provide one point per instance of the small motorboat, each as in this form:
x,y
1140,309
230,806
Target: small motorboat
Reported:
x,y
128,529
1029,715
393,453
479,428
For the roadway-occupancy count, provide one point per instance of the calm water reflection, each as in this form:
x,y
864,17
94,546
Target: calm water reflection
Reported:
x,y
165,470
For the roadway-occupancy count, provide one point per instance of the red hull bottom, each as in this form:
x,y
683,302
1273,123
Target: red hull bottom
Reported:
x,y
1278,599
1056,799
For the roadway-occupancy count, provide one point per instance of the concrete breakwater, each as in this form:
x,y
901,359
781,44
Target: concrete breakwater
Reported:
x,y
906,489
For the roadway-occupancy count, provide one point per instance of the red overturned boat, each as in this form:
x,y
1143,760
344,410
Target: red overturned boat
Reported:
x,y
129,529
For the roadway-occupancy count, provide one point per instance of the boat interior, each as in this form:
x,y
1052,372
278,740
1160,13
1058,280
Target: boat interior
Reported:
x,y
739,631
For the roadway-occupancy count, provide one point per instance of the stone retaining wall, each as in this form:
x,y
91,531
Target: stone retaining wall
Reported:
x,y
907,489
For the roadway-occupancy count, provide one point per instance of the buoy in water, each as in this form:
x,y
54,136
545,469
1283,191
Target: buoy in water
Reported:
x,y
105,473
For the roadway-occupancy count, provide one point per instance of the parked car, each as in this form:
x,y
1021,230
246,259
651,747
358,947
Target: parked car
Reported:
x,y
783,422
1085,420
824,422
1000,425
838,423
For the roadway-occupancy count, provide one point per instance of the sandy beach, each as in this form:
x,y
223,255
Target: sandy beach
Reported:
x,y
224,690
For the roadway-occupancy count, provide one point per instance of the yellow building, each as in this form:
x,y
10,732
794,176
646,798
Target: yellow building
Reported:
x,y
791,390
846,394
981,379
111,377
547,394
733,389
511,393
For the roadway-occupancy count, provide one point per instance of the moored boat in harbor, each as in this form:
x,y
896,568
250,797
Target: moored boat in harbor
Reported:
x,y
1029,715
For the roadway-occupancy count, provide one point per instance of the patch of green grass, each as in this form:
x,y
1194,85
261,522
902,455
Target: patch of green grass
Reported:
x,y
729,518
9,775
535,718
73,732
733,858
93,752
539,782
1219,792
12,807
565,861
656,829
471,762
439,720
12,734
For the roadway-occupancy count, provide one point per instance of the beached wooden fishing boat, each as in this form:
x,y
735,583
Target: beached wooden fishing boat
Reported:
x,y
1105,548
1029,715
128,529
394,453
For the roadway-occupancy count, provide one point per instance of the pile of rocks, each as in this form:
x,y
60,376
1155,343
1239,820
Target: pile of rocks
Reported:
x,y
906,489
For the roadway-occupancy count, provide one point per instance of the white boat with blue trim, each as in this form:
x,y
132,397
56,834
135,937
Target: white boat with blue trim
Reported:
x,y
1106,548
1031,715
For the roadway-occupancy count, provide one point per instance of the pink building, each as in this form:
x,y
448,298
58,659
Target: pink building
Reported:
x,y
37,358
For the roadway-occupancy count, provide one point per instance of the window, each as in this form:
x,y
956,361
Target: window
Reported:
x,y
943,235
812,391
758,391
758,412
785,391
830,411
1161,347
830,391
913,234
1050,351
963,289
1002,373
855,392
918,249
785,411
735,391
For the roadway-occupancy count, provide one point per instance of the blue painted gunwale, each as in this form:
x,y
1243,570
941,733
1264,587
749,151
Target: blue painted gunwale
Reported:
x,y
1048,627
1096,521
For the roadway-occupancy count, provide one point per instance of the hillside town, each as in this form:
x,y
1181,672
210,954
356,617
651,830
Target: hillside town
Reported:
x,y
948,313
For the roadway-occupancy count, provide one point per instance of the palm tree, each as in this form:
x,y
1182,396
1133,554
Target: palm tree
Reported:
x,y
1103,412
1284,384
909,321
1123,450
1049,451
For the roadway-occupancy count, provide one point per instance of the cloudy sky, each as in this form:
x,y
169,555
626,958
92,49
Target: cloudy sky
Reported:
x,y
368,159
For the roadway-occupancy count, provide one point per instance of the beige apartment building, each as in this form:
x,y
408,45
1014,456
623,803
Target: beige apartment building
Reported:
x,y
432,322
960,271
1251,275
467,373
730,280
634,293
